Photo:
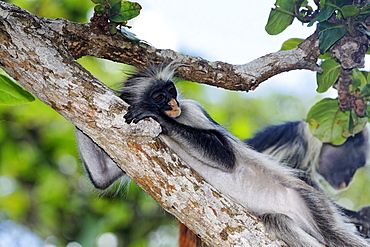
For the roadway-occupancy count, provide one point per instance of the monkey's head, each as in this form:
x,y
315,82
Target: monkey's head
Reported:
x,y
154,86
338,164
165,97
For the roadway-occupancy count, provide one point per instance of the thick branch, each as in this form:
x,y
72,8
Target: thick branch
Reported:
x,y
87,40
234,77
34,52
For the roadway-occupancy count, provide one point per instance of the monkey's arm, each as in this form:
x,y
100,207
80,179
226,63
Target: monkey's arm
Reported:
x,y
205,142
101,169
361,222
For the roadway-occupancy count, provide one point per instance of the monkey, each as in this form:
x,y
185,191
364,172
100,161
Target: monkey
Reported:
x,y
291,210
293,144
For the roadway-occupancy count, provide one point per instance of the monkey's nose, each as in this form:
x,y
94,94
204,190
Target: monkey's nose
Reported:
x,y
176,110
172,103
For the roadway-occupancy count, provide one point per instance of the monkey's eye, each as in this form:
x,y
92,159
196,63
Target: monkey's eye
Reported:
x,y
158,97
171,90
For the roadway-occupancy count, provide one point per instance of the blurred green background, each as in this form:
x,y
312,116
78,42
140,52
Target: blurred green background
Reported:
x,y
43,185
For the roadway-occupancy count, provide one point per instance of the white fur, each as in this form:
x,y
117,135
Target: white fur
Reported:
x,y
102,170
258,183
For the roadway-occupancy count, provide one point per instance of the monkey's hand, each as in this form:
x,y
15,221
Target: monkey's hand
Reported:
x,y
137,112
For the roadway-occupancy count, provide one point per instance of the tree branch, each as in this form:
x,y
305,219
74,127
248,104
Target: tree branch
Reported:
x,y
87,40
40,54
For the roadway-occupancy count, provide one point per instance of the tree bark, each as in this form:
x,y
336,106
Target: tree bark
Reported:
x,y
40,54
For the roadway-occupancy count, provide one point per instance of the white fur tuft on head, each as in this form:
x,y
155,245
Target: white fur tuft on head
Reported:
x,y
143,79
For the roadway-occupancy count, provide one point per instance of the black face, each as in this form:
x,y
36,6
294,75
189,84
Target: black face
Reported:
x,y
338,164
165,98
161,96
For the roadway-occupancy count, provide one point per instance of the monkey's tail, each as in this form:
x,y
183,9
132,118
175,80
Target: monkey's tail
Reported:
x,y
330,221
283,227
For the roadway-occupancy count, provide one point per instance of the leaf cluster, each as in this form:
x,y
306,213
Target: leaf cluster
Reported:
x,y
340,124
338,22
111,14
334,18
327,120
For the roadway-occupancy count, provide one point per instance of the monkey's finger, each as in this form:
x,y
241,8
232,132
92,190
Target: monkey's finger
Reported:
x,y
140,117
129,117
133,117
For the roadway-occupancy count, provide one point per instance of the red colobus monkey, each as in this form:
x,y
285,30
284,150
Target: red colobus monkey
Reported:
x,y
291,210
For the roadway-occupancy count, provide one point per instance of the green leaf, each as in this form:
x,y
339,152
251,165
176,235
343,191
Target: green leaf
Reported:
x,y
355,124
365,92
98,1
338,3
13,94
328,122
329,76
349,10
301,2
329,33
115,8
323,15
326,55
117,18
130,9
127,11
278,21
287,5
99,8
366,32
280,17
113,2
290,44
367,111
367,76
358,78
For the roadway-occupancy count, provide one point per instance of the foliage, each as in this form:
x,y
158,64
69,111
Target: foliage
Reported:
x,y
110,14
329,75
280,17
327,119
336,20
285,11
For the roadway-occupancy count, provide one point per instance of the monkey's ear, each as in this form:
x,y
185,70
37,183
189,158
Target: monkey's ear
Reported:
x,y
100,168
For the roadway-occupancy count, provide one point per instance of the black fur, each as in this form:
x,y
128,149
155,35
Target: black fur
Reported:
x,y
275,136
210,143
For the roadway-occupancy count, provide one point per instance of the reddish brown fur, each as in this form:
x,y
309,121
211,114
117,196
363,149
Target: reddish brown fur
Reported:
x,y
188,239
